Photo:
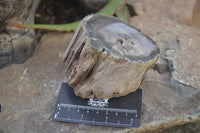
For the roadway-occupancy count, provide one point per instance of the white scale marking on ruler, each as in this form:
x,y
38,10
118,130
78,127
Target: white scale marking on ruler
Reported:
x,y
118,122
97,108
115,114
131,121
69,106
56,115
81,117
100,122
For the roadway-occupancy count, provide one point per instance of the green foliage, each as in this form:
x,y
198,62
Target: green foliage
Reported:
x,y
123,13
117,7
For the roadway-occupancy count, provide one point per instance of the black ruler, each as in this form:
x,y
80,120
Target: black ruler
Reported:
x,y
121,112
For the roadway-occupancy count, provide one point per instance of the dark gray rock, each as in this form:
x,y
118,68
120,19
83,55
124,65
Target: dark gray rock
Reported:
x,y
16,45
93,5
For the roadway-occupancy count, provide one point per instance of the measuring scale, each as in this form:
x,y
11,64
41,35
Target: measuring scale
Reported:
x,y
123,111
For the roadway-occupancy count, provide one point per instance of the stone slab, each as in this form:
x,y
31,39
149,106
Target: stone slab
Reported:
x,y
29,91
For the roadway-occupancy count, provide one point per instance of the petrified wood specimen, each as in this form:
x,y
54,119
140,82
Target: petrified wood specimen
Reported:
x,y
108,57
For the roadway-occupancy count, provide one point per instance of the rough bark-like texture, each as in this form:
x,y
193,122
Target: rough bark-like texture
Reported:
x,y
16,45
108,57
28,91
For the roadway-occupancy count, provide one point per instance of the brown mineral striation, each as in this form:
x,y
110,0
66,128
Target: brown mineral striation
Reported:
x,y
108,57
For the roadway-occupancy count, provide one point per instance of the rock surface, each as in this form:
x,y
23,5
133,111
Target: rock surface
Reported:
x,y
28,91
165,104
179,44
108,58
16,45
195,19
172,9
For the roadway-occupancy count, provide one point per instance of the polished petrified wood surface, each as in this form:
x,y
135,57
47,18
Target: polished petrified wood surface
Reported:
x,y
108,57
28,91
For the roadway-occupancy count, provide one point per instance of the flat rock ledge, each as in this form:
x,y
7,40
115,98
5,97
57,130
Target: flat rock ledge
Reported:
x,y
165,104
